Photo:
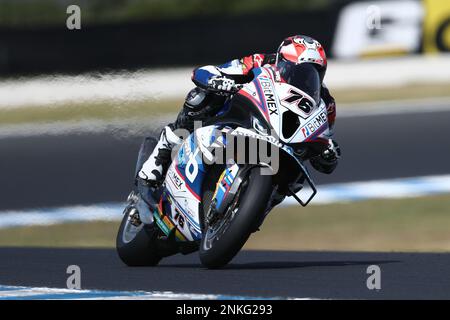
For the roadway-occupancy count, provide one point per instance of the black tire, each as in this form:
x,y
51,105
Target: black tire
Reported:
x,y
252,205
140,250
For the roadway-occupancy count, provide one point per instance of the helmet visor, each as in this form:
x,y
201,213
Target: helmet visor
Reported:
x,y
303,76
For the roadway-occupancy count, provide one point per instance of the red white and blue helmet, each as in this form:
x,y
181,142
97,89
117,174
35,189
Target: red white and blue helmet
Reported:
x,y
301,49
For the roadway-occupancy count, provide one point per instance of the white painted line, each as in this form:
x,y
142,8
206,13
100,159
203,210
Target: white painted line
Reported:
x,y
35,293
327,194
379,189
51,216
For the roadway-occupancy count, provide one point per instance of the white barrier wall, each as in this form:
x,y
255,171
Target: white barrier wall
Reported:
x,y
389,72
175,83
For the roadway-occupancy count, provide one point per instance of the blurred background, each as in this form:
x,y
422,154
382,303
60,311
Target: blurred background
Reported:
x,y
76,101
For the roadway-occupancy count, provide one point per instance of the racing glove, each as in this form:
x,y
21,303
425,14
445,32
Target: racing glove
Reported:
x,y
222,84
333,152
327,160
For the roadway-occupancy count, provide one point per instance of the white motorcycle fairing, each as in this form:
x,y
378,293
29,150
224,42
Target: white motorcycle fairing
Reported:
x,y
178,209
277,99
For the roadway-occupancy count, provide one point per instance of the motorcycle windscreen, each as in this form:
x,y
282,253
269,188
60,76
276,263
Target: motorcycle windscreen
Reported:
x,y
303,76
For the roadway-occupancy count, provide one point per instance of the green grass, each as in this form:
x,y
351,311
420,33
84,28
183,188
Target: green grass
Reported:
x,y
149,109
411,91
418,224
88,111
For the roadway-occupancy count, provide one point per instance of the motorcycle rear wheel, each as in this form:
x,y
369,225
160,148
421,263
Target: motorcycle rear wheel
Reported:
x,y
219,248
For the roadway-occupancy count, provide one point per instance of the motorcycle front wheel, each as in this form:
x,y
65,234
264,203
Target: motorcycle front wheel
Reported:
x,y
136,244
225,238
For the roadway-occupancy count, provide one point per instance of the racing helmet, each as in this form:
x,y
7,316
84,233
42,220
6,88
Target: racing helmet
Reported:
x,y
301,62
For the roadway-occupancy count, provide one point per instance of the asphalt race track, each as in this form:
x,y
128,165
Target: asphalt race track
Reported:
x,y
45,171
266,274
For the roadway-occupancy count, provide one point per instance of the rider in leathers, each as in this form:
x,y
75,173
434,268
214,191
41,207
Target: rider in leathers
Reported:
x,y
202,103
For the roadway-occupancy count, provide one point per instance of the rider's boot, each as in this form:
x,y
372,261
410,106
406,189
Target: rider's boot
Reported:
x,y
198,105
153,169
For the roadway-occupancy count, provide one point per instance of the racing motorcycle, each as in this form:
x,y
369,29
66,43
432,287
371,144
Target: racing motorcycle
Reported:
x,y
214,206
